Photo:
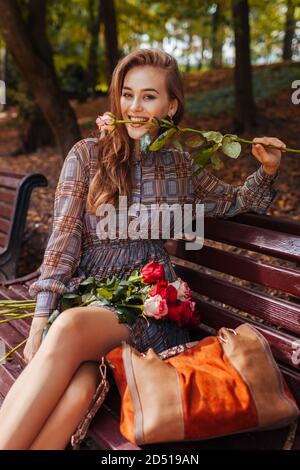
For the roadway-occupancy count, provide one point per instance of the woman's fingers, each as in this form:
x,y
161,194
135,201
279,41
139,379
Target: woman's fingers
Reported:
x,y
270,141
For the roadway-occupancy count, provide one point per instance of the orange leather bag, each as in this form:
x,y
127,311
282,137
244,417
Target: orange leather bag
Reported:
x,y
214,387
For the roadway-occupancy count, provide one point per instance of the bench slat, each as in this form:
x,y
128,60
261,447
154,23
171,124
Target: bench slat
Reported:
x,y
7,195
279,312
105,429
278,224
3,240
6,210
19,292
281,278
9,182
4,225
280,245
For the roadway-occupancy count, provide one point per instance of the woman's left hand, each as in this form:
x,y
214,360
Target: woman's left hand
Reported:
x,y
268,157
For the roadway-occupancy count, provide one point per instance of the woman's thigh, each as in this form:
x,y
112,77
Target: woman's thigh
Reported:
x,y
87,333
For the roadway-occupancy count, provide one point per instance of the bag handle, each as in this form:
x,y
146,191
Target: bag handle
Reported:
x,y
94,406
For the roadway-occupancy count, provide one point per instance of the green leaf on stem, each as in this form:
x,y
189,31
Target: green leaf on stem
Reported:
x,y
195,141
214,136
203,158
216,161
230,147
162,139
177,145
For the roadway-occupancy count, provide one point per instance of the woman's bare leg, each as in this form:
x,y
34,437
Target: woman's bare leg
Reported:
x,y
78,335
63,421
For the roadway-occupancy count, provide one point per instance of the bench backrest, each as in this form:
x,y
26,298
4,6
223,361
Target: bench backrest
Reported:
x,y
15,191
232,287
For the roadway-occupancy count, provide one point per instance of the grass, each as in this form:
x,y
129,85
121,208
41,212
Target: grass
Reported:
x,y
266,83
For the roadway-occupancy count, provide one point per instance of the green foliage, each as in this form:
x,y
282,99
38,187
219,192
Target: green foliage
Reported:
x,y
266,83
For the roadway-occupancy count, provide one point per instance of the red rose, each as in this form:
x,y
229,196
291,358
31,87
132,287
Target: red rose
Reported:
x,y
183,313
158,288
153,272
165,290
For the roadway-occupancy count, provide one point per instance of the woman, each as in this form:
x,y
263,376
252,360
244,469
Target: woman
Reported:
x,y
50,397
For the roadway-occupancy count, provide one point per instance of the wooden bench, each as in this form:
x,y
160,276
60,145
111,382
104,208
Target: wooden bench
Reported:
x,y
15,192
230,287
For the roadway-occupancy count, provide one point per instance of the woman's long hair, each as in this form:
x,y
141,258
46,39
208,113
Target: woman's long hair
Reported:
x,y
113,175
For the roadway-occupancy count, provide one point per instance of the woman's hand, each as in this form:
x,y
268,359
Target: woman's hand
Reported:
x,y
268,157
34,338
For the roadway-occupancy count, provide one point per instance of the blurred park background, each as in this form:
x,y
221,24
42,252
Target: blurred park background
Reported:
x,y
240,62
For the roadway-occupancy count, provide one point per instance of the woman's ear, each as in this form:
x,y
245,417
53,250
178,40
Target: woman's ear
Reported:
x,y
173,107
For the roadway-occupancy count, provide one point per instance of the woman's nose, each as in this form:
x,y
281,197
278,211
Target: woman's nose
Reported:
x,y
136,104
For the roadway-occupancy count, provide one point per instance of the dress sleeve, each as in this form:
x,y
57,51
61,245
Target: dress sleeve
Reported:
x,y
221,199
63,251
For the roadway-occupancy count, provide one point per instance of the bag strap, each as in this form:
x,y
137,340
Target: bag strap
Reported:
x,y
94,406
290,439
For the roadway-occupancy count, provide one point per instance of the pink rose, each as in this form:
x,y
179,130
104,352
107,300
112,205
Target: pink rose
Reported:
x,y
153,272
183,290
106,121
155,307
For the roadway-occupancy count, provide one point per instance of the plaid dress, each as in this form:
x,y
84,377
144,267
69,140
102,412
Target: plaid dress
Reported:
x,y
75,251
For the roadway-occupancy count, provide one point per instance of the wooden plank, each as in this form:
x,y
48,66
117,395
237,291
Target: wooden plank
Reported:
x,y
11,337
7,196
5,225
281,278
105,430
278,312
6,172
3,240
9,181
6,210
280,245
278,224
18,291
26,280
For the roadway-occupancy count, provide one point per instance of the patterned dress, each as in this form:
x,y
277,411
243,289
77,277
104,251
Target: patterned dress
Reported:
x,y
75,251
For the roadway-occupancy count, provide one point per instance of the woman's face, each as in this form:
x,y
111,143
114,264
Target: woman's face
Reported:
x,y
144,96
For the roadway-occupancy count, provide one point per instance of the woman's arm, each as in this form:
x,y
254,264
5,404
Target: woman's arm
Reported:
x,y
63,251
221,199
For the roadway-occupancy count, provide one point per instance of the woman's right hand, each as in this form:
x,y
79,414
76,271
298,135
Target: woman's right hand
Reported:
x,y
35,338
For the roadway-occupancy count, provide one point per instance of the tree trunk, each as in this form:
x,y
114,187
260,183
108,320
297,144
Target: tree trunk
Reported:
x,y
36,132
2,78
245,110
108,14
39,75
94,29
290,24
217,37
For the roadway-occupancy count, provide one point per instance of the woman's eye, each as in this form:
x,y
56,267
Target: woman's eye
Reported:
x,y
128,95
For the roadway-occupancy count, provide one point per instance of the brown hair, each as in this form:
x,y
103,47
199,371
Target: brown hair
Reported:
x,y
113,176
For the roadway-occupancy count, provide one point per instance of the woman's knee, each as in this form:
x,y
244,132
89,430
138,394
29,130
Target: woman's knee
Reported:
x,y
63,333
86,333
83,385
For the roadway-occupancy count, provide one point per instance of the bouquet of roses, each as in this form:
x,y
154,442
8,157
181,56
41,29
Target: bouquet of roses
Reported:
x,y
145,293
